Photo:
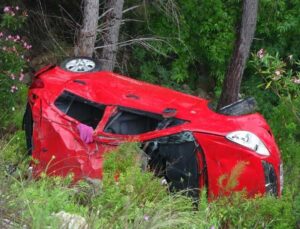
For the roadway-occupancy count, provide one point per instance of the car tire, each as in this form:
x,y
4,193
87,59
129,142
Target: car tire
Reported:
x,y
80,65
241,107
28,128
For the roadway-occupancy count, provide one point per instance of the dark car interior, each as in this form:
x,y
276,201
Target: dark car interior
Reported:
x,y
175,158
132,122
83,110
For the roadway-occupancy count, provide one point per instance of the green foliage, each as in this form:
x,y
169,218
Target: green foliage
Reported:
x,y
236,211
12,19
13,61
285,124
277,28
266,99
278,96
42,198
136,199
198,39
13,149
278,75
194,43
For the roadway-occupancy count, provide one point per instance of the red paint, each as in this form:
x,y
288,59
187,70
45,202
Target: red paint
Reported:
x,y
60,150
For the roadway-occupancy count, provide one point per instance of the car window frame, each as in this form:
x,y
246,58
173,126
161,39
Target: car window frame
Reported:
x,y
71,119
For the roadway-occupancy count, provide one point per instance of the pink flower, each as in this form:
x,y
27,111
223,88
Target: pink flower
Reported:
x,y
261,53
1,34
296,81
13,89
21,77
146,218
6,9
17,8
12,76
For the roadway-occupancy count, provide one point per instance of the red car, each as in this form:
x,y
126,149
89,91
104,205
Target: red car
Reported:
x,y
76,113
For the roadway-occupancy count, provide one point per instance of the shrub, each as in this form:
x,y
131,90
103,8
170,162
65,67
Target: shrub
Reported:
x,y
13,59
279,75
236,211
136,199
282,78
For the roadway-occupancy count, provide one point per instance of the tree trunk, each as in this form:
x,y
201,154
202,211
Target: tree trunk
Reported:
x,y
232,81
88,32
112,22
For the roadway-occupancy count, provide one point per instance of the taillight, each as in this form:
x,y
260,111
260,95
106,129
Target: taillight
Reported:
x,y
37,83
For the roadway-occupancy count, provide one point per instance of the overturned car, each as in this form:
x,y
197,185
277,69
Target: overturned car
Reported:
x,y
75,114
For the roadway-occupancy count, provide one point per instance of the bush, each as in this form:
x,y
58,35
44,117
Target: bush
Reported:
x,y
128,197
136,199
13,60
281,78
236,211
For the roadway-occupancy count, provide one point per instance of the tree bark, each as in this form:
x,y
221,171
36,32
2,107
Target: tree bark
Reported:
x,y
88,32
112,21
233,79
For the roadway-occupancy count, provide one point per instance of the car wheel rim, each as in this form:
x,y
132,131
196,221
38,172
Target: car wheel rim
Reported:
x,y
80,65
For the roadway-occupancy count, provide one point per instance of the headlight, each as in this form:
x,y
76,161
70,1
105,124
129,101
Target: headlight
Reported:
x,y
248,140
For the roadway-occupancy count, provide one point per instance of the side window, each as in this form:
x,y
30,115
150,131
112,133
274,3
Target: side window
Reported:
x,y
132,122
81,109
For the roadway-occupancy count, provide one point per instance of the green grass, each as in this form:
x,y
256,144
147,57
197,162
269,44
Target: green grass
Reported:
x,y
137,200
